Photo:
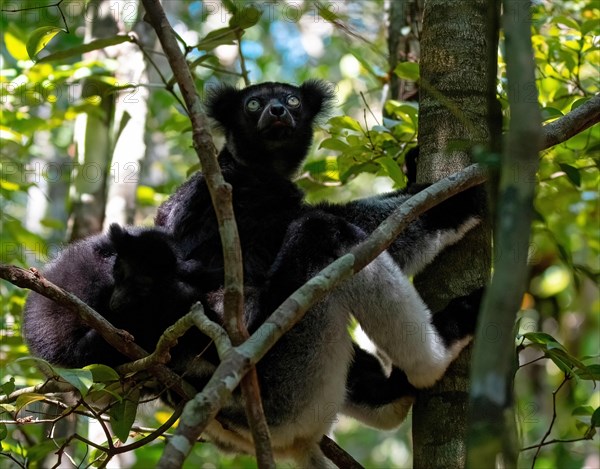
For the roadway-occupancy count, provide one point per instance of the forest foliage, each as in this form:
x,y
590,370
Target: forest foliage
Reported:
x,y
47,83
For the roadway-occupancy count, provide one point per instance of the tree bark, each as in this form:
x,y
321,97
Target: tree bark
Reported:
x,y
131,110
93,135
453,118
492,432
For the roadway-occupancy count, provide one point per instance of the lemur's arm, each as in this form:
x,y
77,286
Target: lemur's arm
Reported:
x,y
424,238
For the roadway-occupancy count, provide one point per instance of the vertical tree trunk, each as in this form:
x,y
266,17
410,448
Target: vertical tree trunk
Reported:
x,y
93,132
403,44
453,118
492,432
131,109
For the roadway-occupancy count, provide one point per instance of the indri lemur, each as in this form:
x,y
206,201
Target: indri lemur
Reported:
x,y
314,371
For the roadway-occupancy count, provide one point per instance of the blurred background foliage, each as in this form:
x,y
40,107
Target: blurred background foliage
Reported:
x,y
45,91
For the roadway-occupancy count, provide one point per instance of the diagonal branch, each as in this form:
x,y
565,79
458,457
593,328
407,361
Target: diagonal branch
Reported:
x,y
205,406
571,124
121,340
221,193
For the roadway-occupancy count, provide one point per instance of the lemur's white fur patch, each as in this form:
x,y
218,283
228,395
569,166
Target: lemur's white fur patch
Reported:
x,y
436,242
393,315
384,417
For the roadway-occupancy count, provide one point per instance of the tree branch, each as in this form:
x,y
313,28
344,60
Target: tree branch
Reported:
x,y
169,339
121,340
337,455
220,192
492,434
571,124
205,406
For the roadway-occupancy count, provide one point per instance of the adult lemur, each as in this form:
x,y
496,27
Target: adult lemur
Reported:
x,y
314,372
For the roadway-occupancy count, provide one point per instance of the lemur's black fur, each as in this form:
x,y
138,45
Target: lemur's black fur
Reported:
x,y
314,372
134,277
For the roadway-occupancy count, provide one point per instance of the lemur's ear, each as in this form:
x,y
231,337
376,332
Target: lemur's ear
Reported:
x,y
116,233
221,103
318,97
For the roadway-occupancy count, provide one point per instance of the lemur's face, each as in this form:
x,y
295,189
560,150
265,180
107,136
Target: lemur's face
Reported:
x,y
275,111
269,126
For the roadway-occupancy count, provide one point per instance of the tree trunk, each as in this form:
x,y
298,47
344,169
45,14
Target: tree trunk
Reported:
x,y
131,110
93,131
493,433
453,118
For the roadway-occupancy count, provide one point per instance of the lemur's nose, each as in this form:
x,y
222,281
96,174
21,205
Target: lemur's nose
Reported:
x,y
277,110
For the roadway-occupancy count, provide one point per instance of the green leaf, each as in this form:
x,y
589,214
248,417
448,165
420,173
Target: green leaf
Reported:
x,y
550,113
540,338
83,48
345,122
589,26
583,410
589,372
392,169
327,14
218,37
578,103
335,144
572,173
26,399
3,431
122,415
596,418
40,39
44,448
408,71
564,20
102,373
80,379
15,45
8,387
245,18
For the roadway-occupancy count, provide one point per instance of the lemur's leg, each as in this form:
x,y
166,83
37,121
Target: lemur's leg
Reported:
x,y
375,397
381,297
393,315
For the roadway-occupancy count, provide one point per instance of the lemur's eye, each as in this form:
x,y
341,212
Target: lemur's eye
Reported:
x,y
293,101
253,105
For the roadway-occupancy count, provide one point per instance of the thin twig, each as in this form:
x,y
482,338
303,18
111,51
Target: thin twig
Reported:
x,y
541,443
337,455
221,197
121,340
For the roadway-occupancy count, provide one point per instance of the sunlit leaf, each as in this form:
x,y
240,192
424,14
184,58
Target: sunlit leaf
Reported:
x,y
15,44
40,39
27,398
345,122
408,71
84,48
102,373
392,169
